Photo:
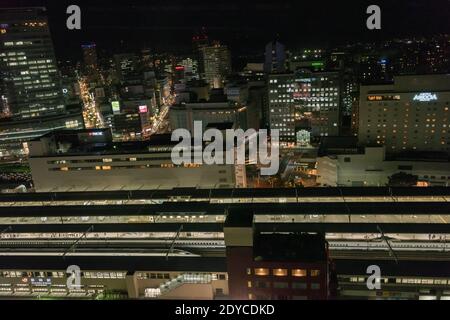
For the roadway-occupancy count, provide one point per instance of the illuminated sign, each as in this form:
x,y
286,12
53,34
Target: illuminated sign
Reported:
x,y
41,281
96,133
383,97
143,109
425,97
115,107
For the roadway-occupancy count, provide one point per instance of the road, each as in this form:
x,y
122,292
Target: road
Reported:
x,y
92,117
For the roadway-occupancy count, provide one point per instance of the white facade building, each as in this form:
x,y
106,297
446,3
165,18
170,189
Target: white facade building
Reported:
x,y
372,169
117,168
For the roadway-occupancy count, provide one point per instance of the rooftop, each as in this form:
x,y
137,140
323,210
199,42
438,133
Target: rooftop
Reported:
x,y
305,247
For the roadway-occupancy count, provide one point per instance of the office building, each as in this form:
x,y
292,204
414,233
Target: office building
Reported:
x,y
199,41
275,58
15,134
316,97
313,59
216,64
410,114
29,84
281,106
304,101
127,67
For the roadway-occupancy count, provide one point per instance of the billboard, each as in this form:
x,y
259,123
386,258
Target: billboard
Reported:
x,y
143,109
115,107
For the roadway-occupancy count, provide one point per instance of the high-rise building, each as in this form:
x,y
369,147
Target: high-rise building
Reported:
x,y
304,101
275,57
29,84
317,103
216,63
281,105
200,40
410,114
127,66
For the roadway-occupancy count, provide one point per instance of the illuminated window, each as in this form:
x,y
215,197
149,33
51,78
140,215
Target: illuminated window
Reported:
x,y
315,273
261,271
249,284
299,272
280,272
106,167
64,169
250,296
249,271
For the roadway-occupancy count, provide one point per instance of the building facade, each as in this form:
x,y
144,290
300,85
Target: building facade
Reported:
x,y
29,85
371,168
87,160
216,64
410,114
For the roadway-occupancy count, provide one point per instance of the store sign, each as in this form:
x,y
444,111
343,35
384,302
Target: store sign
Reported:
x,y
425,97
143,109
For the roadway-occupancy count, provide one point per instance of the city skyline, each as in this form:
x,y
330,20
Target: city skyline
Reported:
x,y
244,27
225,151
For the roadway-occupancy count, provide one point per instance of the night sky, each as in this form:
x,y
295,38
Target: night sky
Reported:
x,y
244,25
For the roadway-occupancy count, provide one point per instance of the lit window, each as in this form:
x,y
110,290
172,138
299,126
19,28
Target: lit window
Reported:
x,y
280,272
249,284
261,271
299,272
249,271
315,273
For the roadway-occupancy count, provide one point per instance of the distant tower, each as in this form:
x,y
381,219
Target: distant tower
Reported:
x,y
275,57
216,64
200,40
89,55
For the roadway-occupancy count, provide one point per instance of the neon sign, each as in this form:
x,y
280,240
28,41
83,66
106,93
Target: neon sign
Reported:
x,y
425,97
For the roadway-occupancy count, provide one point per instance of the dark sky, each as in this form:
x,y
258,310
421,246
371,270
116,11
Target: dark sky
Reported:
x,y
245,25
